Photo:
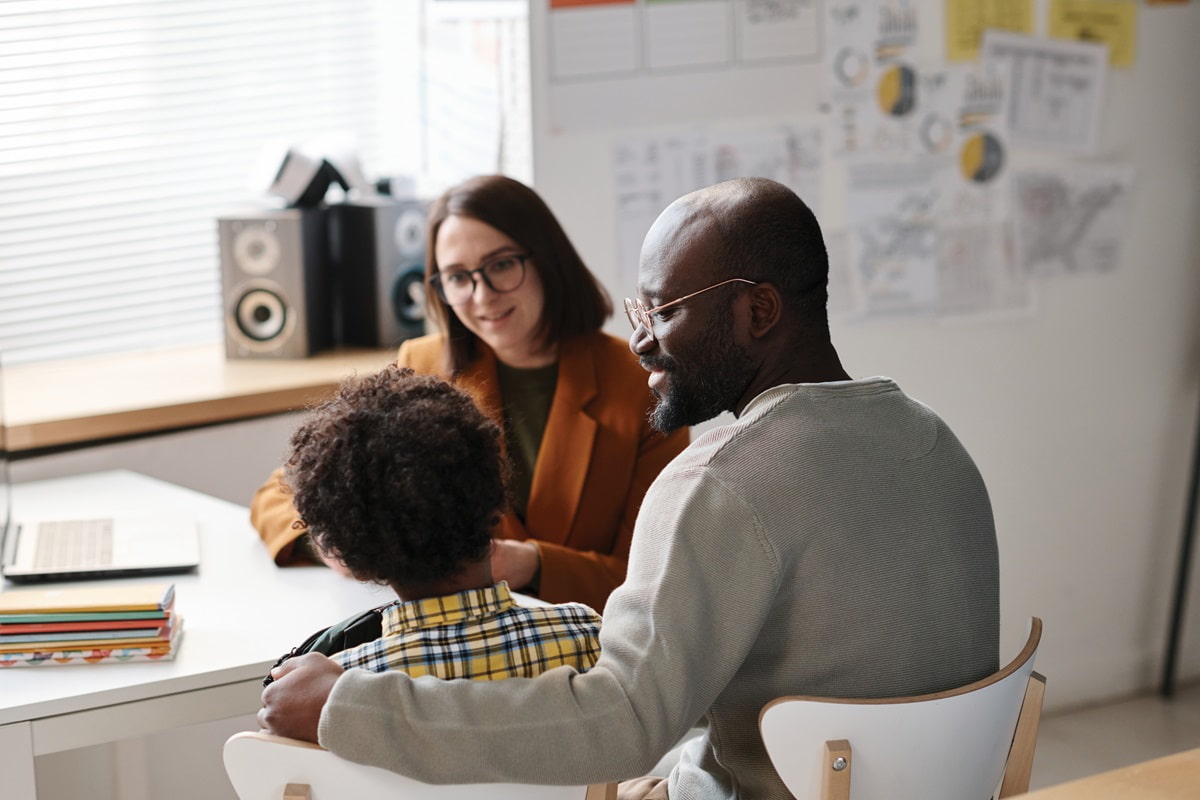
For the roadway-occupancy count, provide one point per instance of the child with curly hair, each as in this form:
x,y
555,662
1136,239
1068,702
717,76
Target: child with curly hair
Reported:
x,y
401,478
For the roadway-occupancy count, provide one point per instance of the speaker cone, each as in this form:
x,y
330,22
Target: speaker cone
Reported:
x,y
408,297
256,248
261,314
409,234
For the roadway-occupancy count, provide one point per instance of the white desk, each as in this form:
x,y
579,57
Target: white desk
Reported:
x,y
240,613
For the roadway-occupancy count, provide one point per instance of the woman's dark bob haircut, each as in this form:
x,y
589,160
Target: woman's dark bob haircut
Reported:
x,y
575,304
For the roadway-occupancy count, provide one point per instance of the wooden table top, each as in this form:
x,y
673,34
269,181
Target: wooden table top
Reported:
x,y
1173,777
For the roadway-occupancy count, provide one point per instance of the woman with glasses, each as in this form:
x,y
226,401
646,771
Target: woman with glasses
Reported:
x,y
520,320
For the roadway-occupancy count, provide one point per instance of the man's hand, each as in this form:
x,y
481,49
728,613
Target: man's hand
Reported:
x,y
515,562
292,703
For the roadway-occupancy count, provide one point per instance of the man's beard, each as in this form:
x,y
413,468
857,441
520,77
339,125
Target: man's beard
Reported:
x,y
717,375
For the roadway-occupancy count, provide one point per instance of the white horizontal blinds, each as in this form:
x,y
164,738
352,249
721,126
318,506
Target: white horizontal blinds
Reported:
x,y
126,129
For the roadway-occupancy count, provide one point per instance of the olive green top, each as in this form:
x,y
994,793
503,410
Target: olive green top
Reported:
x,y
527,395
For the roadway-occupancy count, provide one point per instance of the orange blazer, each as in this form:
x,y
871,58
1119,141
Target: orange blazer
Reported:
x,y
598,457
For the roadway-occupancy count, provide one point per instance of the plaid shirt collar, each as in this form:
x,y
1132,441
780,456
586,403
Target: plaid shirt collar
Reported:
x,y
451,609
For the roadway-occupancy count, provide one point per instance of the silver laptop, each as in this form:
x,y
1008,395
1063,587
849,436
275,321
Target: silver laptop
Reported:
x,y
56,549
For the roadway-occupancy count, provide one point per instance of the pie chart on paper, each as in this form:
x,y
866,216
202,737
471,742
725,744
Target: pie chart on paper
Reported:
x,y
981,157
897,90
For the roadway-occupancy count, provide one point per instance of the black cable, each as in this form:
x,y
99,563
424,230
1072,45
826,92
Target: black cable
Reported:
x,y
1181,578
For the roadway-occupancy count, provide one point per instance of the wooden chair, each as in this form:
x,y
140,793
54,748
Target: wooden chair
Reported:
x,y
961,744
264,767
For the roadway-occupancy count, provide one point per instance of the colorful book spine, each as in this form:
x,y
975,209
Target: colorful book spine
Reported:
x,y
98,616
85,635
83,639
164,651
123,623
85,600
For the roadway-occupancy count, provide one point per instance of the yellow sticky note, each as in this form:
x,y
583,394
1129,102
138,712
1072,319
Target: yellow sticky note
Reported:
x,y
966,21
1111,21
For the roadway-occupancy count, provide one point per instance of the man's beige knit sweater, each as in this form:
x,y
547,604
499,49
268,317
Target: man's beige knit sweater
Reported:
x,y
835,540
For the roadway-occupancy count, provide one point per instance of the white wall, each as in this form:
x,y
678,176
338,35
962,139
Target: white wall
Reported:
x,y
1080,416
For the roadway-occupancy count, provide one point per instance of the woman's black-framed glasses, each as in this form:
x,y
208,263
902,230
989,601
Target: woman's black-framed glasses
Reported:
x,y
502,273
638,314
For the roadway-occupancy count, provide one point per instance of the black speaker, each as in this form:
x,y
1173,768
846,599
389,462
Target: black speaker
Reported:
x,y
276,283
379,251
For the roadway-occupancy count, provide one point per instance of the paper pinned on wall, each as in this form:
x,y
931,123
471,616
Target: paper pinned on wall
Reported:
x,y
687,34
961,124
598,38
772,29
1056,88
621,63
1113,22
966,20
871,77
978,274
908,256
1070,219
649,172
788,153
590,39
844,296
894,237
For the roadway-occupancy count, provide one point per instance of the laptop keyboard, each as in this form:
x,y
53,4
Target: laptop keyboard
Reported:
x,y
74,543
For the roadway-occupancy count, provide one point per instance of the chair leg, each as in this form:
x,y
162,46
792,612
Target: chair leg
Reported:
x,y
297,791
1020,756
835,778
601,791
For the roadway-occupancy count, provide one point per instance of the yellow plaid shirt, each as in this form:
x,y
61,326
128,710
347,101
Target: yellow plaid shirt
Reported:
x,y
479,634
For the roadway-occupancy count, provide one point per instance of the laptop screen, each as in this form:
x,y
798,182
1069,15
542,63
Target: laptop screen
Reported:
x,y
5,480
96,545
7,537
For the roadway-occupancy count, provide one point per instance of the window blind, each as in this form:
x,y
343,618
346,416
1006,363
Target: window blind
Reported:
x,y
126,129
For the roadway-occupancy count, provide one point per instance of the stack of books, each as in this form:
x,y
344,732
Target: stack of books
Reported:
x,y
88,624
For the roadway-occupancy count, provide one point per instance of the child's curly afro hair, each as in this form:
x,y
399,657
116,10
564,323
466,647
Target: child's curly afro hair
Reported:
x,y
400,476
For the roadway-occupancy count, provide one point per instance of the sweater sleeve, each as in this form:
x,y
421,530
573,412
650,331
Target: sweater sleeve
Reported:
x,y
701,580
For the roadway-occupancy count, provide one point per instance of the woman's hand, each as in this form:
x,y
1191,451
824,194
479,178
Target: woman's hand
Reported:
x,y
515,562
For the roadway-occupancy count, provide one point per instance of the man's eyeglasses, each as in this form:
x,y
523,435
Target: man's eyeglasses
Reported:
x,y
502,273
640,315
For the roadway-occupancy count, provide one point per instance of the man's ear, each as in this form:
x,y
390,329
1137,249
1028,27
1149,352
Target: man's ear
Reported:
x,y
766,307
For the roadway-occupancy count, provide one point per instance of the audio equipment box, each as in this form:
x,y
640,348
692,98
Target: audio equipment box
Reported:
x,y
276,282
298,280
378,247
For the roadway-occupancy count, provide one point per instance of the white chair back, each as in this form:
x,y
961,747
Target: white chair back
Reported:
x,y
264,767
950,745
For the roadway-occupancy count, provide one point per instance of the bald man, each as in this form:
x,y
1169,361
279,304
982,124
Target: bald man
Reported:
x,y
836,539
